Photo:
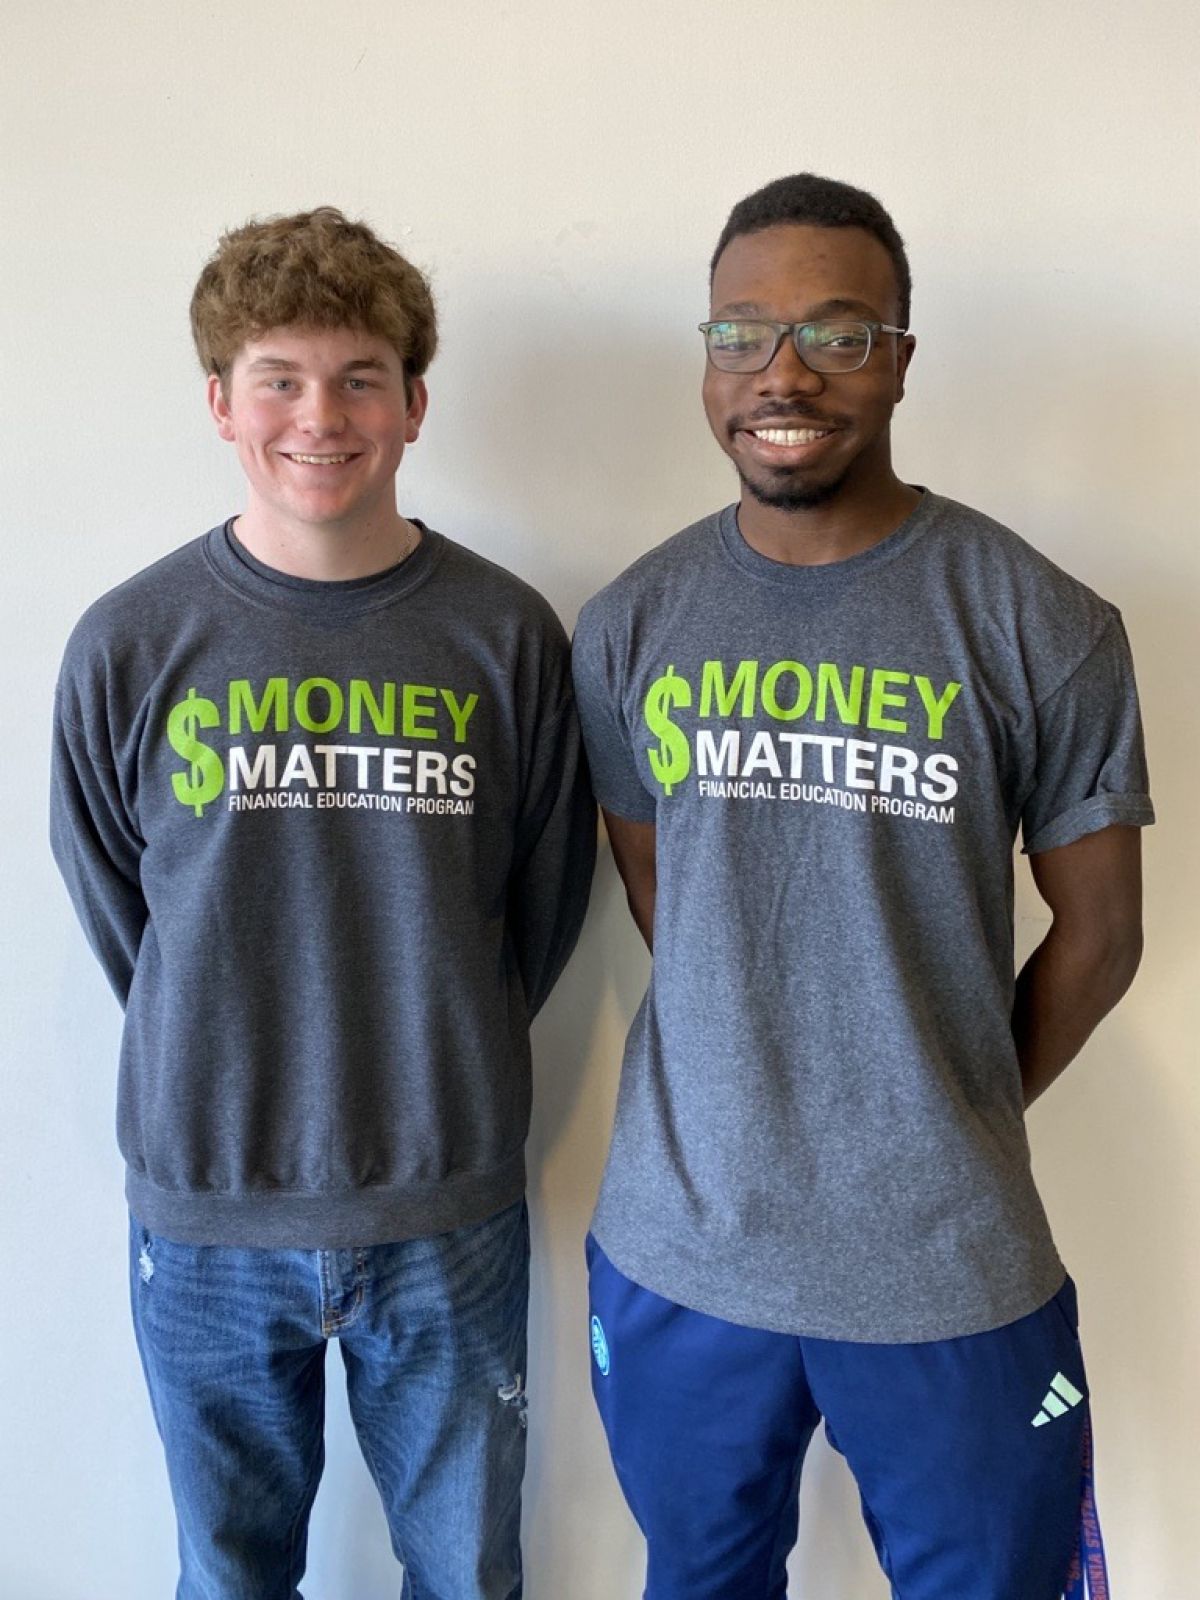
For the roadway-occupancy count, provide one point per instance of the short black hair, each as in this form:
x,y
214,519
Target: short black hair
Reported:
x,y
815,202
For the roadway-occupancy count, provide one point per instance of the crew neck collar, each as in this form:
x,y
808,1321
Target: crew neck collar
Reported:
x,y
829,573
336,598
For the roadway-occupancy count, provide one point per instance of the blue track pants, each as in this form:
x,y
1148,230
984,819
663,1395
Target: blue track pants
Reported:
x,y
971,1455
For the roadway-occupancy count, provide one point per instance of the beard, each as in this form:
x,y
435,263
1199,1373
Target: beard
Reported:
x,y
785,495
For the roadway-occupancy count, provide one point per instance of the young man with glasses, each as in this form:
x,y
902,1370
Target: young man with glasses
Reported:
x,y
319,800
816,722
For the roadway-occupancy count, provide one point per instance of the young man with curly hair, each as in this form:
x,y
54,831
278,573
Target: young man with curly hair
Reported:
x,y
816,722
318,800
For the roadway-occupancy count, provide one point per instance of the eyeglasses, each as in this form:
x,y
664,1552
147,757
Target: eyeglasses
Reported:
x,y
737,345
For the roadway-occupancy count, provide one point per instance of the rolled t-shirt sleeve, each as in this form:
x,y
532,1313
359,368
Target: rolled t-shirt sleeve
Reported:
x,y
1091,762
606,736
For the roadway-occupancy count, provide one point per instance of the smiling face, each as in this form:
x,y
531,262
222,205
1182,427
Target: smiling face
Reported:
x,y
801,439
320,419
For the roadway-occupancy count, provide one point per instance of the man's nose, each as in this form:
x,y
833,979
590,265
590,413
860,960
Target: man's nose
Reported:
x,y
787,374
323,411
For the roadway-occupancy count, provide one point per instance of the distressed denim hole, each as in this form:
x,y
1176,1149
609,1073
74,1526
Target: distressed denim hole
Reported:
x,y
513,1394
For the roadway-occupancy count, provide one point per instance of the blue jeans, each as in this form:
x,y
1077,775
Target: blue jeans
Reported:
x,y
432,1335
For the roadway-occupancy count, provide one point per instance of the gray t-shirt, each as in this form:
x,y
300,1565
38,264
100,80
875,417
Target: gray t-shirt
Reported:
x,y
820,1127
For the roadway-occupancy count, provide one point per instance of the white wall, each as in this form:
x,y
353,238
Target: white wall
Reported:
x,y
563,171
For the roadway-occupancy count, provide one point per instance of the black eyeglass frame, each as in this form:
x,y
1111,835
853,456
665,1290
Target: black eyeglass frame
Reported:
x,y
782,329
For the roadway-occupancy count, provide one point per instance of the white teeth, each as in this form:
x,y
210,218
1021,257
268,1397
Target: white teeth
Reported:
x,y
790,435
320,461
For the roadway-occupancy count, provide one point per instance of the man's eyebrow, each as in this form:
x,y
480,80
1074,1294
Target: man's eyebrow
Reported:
x,y
826,308
278,364
831,307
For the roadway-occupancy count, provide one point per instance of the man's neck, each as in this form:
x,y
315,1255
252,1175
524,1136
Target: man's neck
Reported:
x,y
841,527
327,554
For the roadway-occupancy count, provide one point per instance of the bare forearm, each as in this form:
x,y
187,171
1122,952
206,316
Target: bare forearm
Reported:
x,y
641,908
1066,988
634,851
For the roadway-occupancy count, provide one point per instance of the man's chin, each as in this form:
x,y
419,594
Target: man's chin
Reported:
x,y
787,495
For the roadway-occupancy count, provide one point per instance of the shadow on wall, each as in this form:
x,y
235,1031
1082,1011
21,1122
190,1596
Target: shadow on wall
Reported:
x,y
575,1520
1115,1163
588,438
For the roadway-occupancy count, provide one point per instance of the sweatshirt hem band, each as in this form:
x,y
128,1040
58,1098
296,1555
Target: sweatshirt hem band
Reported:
x,y
341,1220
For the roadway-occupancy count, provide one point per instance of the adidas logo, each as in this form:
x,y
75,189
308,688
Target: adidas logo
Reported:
x,y
1061,1397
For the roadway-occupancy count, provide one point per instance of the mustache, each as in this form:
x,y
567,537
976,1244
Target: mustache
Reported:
x,y
784,414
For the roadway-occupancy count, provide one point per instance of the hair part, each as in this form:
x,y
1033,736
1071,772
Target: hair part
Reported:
x,y
315,269
810,201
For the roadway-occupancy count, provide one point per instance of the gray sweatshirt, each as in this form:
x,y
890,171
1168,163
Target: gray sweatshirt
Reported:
x,y
332,844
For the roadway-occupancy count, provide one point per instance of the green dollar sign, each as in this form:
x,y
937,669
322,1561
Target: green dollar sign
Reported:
x,y
672,761
207,777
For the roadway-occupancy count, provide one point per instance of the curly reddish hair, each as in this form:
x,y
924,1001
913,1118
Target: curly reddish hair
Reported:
x,y
315,269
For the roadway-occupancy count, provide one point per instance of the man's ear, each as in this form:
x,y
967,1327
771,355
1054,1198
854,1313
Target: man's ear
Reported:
x,y
418,404
904,355
218,404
